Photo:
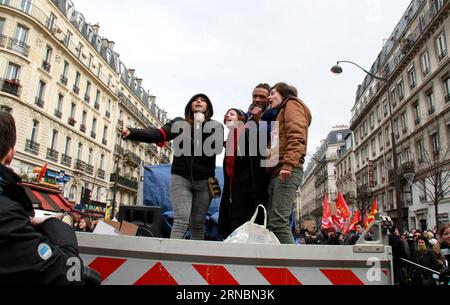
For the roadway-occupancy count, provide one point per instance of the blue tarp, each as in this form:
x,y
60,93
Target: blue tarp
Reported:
x,y
157,184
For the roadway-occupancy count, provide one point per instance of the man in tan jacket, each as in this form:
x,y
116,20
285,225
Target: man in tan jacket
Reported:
x,y
289,141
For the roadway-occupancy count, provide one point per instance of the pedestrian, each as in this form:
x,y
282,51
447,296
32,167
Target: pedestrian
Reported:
x,y
442,249
398,253
260,102
332,238
353,237
33,250
288,149
197,141
244,189
425,258
84,225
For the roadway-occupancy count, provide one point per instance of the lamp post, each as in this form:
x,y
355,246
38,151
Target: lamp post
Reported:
x,y
337,69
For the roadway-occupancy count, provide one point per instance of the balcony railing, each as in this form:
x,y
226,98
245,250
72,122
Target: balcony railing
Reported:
x,y
83,128
39,102
426,72
417,121
127,103
105,142
14,45
80,165
442,55
118,150
71,122
32,146
64,80
432,110
132,158
76,90
11,86
52,155
127,182
89,169
87,98
408,167
93,135
96,106
107,114
58,113
46,66
101,174
66,160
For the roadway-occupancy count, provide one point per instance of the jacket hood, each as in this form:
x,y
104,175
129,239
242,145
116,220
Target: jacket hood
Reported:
x,y
188,110
9,187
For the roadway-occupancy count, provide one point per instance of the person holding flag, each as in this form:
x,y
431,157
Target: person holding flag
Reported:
x,y
327,221
373,212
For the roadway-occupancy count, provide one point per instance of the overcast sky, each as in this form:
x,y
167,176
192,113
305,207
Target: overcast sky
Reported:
x,y
225,48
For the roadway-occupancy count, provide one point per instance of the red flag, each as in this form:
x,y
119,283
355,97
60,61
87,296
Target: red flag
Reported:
x,y
42,173
355,221
327,222
342,214
373,213
366,219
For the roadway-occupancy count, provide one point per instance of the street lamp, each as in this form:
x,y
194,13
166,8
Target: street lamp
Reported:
x,y
337,69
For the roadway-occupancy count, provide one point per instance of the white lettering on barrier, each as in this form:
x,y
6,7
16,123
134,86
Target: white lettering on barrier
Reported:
x,y
374,273
74,270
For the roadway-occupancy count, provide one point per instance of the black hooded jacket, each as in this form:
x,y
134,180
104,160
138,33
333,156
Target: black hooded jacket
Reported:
x,y
190,166
28,254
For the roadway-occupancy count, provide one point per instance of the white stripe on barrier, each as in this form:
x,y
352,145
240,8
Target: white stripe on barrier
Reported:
x,y
184,273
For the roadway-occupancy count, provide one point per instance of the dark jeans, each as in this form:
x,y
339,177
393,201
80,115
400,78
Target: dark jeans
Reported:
x,y
191,201
281,202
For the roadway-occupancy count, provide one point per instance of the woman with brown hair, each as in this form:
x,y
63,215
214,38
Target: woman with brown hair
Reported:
x,y
288,149
198,140
442,249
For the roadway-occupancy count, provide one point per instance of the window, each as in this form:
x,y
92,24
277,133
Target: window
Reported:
x,y
102,161
94,126
54,140
412,77
90,156
34,131
385,108
83,118
396,129
51,21
380,140
431,105
447,89
105,134
47,58
420,151
425,62
408,156
401,90
72,193
67,146
372,121
387,133
73,109
435,143
80,49
404,122
441,46
80,151
394,97
41,89
68,38
88,92
21,34
416,110
2,25
374,147
65,70
13,72
77,83
25,5
339,137
97,99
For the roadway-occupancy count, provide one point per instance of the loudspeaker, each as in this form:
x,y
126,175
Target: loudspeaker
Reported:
x,y
147,218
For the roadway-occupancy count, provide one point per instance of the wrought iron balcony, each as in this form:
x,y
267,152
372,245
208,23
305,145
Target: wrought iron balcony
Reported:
x,y
64,80
89,169
39,102
101,174
123,181
58,113
52,155
87,98
46,66
105,142
17,46
80,165
31,146
11,86
107,114
118,150
83,128
71,122
76,90
96,106
93,135
66,160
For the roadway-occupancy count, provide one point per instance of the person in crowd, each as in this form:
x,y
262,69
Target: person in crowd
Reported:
x,y
332,238
426,258
404,239
288,148
398,252
260,102
33,250
244,176
353,237
442,249
198,140
84,225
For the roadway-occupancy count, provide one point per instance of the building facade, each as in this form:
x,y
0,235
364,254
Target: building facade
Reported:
x,y
413,102
322,167
345,176
71,95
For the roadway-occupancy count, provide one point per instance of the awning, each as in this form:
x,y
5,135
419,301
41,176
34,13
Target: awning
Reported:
x,y
47,199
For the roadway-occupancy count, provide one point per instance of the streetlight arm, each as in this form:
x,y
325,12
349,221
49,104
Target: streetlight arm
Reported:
x,y
355,64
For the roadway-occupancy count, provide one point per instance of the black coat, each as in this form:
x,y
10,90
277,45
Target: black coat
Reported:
x,y
427,259
242,194
32,255
189,166
398,252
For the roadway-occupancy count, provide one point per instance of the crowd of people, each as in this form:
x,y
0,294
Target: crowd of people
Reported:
x,y
420,258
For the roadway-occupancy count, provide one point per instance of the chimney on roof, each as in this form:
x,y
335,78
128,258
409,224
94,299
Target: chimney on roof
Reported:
x,y
111,45
105,42
131,72
139,81
96,27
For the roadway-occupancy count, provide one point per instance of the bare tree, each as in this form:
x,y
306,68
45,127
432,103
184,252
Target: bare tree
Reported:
x,y
436,175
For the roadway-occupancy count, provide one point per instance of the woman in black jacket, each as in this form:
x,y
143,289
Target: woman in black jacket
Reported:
x,y
246,181
197,141
426,258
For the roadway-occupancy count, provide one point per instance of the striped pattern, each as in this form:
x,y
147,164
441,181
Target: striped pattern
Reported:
x,y
118,271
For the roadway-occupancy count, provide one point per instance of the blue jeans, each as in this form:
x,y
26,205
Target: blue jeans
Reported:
x,y
190,201
282,198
